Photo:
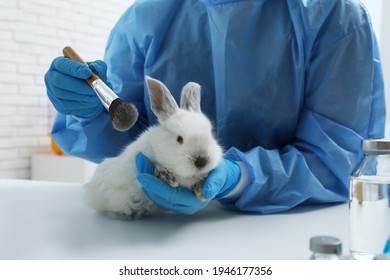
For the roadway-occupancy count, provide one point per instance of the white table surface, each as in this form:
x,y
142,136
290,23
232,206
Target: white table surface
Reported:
x,y
49,220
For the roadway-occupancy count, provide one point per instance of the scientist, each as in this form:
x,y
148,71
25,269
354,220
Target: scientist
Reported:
x,y
292,86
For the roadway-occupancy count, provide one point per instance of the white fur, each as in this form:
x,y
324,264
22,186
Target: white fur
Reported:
x,y
114,189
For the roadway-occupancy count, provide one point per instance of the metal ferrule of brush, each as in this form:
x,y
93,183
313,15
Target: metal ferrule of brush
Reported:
x,y
105,94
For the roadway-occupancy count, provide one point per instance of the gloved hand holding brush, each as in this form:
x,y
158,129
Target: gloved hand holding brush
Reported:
x,y
67,82
67,89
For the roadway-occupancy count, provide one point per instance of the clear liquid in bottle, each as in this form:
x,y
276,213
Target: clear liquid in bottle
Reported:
x,y
369,208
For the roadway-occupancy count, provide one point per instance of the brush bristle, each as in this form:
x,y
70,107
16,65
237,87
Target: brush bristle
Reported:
x,y
123,114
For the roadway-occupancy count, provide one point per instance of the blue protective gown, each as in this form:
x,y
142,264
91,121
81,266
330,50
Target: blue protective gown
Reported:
x,y
292,86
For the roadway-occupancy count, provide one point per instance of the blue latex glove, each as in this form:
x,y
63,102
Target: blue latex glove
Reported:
x,y
68,91
182,200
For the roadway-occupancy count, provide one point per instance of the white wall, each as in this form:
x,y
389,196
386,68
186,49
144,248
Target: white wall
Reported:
x,y
32,33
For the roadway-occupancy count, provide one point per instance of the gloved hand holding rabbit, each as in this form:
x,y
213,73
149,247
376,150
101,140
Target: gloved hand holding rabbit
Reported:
x,y
177,165
219,182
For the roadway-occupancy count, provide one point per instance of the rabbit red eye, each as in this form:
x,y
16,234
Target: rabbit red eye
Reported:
x,y
180,139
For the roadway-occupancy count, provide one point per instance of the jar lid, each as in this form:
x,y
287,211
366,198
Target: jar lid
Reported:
x,y
376,145
325,245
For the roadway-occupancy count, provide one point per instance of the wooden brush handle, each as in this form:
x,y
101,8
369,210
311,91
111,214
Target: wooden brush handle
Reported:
x,y
70,53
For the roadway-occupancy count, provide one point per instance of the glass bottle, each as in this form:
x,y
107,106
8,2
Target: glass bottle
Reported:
x,y
369,205
325,248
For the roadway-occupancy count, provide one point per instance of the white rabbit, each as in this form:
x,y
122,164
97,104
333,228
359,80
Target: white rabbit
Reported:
x,y
182,149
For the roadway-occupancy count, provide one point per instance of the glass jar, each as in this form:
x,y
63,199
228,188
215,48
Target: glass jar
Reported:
x,y
369,205
325,248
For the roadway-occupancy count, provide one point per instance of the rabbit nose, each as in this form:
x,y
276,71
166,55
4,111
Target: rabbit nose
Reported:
x,y
201,162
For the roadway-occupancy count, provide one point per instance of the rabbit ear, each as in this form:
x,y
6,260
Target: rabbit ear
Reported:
x,y
162,102
190,97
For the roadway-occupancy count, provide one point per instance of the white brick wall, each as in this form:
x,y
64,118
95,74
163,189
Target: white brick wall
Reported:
x,y
32,33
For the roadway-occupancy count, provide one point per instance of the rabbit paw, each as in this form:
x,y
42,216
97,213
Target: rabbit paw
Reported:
x,y
197,189
166,176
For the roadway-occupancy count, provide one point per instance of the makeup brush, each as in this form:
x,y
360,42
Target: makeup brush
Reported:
x,y
123,115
